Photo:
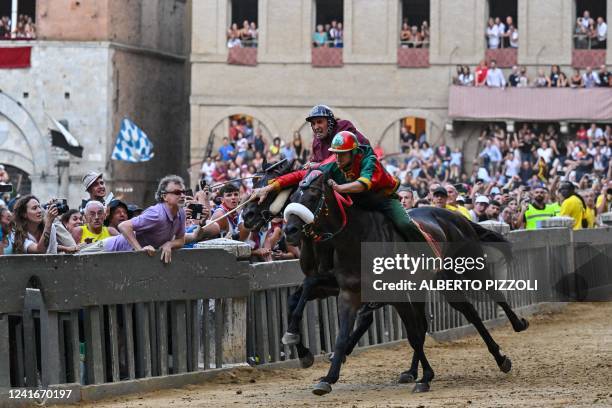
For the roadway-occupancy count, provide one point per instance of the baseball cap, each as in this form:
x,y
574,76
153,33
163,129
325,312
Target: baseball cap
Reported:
x,y
117,203
90,178
461,199
440,190
482,199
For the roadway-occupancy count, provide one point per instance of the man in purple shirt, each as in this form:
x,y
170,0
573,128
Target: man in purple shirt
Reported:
x,y
161,226
324,127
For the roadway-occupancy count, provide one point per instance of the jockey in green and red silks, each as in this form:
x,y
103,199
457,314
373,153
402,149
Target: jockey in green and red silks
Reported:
x,y
355,169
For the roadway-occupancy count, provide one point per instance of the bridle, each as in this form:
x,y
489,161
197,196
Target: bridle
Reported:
x,y
322,209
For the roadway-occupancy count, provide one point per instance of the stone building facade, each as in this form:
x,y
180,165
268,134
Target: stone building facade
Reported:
x,y
94,63
370,88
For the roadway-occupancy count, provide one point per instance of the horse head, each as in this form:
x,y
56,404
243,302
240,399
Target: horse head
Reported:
x,y
256,215
308,214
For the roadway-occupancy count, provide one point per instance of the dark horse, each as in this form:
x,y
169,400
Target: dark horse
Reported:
x,y
316,261
316,203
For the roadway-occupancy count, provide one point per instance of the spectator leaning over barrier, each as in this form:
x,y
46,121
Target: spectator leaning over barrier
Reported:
x,y
161,226
590,78
93,230
573,205
590,212
605,76
72,219
319,38
6,231
230,197
117,213
34,229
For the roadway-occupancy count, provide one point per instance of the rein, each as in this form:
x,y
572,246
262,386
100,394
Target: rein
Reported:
x,y
342,202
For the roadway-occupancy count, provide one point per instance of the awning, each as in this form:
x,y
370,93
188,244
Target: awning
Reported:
x,y
536,104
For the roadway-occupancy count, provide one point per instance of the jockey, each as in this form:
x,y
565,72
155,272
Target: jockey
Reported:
x,y
324,125
355,169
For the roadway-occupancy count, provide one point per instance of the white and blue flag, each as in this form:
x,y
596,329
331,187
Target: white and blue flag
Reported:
x,y
132,144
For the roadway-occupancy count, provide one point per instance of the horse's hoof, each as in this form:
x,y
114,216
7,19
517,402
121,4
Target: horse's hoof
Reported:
x,y
525,324
406,378
322,388
506,366
290,339
421,387
307,360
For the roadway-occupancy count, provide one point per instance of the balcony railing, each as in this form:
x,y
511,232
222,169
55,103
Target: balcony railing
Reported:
x,y
242,56
411,54
327,57
505,57
587,52
538,104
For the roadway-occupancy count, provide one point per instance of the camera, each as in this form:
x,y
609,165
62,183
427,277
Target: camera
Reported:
x,y
6,188
60,204
197,210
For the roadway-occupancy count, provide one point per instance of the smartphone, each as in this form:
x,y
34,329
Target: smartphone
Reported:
x,y
6,188
202,183
505,191
560,173
196,211
189,192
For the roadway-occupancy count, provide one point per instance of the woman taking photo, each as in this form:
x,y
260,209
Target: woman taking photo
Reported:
x,y
34,229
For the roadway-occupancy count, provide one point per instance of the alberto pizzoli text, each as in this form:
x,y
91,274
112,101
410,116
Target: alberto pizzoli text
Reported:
x,y
456,285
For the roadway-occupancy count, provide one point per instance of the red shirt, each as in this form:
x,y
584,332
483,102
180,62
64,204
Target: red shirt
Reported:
x,y
481,74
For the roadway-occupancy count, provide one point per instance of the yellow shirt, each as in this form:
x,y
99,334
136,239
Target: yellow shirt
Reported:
x,y
460,209
590,216
89,237
572,207
598,203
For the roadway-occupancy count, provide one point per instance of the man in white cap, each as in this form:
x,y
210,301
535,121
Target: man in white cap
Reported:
x,y
95,186
479,213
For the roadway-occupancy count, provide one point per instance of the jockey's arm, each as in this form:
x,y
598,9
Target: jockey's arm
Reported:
x,y
352,187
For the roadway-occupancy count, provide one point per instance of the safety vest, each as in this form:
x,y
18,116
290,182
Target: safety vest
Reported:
x,y
555,207
533,215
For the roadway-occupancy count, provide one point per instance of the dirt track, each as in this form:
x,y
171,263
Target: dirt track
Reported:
x,y
561,360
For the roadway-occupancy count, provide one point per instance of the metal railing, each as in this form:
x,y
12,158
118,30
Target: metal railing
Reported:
x,y
587,42
106,318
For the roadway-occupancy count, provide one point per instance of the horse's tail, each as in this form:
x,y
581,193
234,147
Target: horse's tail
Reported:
x,y
487,235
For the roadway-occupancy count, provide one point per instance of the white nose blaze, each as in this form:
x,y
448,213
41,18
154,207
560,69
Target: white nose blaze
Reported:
x,y
300,211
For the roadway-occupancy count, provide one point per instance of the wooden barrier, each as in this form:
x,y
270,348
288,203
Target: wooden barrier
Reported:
x,y
104,320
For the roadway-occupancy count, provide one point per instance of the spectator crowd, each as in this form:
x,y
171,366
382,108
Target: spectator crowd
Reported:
x,y
329,35
590,33
514,176
245,36
414,36
25,28
490,75
519,178
500,34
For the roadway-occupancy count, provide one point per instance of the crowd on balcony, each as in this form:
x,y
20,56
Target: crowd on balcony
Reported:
x,y
25,28
590,33
500,34
413,36
329,35
245,36
489,75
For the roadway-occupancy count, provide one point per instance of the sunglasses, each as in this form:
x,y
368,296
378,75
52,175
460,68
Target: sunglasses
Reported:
x,y
176,192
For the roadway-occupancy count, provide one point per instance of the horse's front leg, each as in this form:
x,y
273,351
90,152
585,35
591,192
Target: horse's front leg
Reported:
x,y
348,304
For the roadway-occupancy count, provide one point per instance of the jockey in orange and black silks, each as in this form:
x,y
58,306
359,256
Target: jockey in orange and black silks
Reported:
x,y
355,169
